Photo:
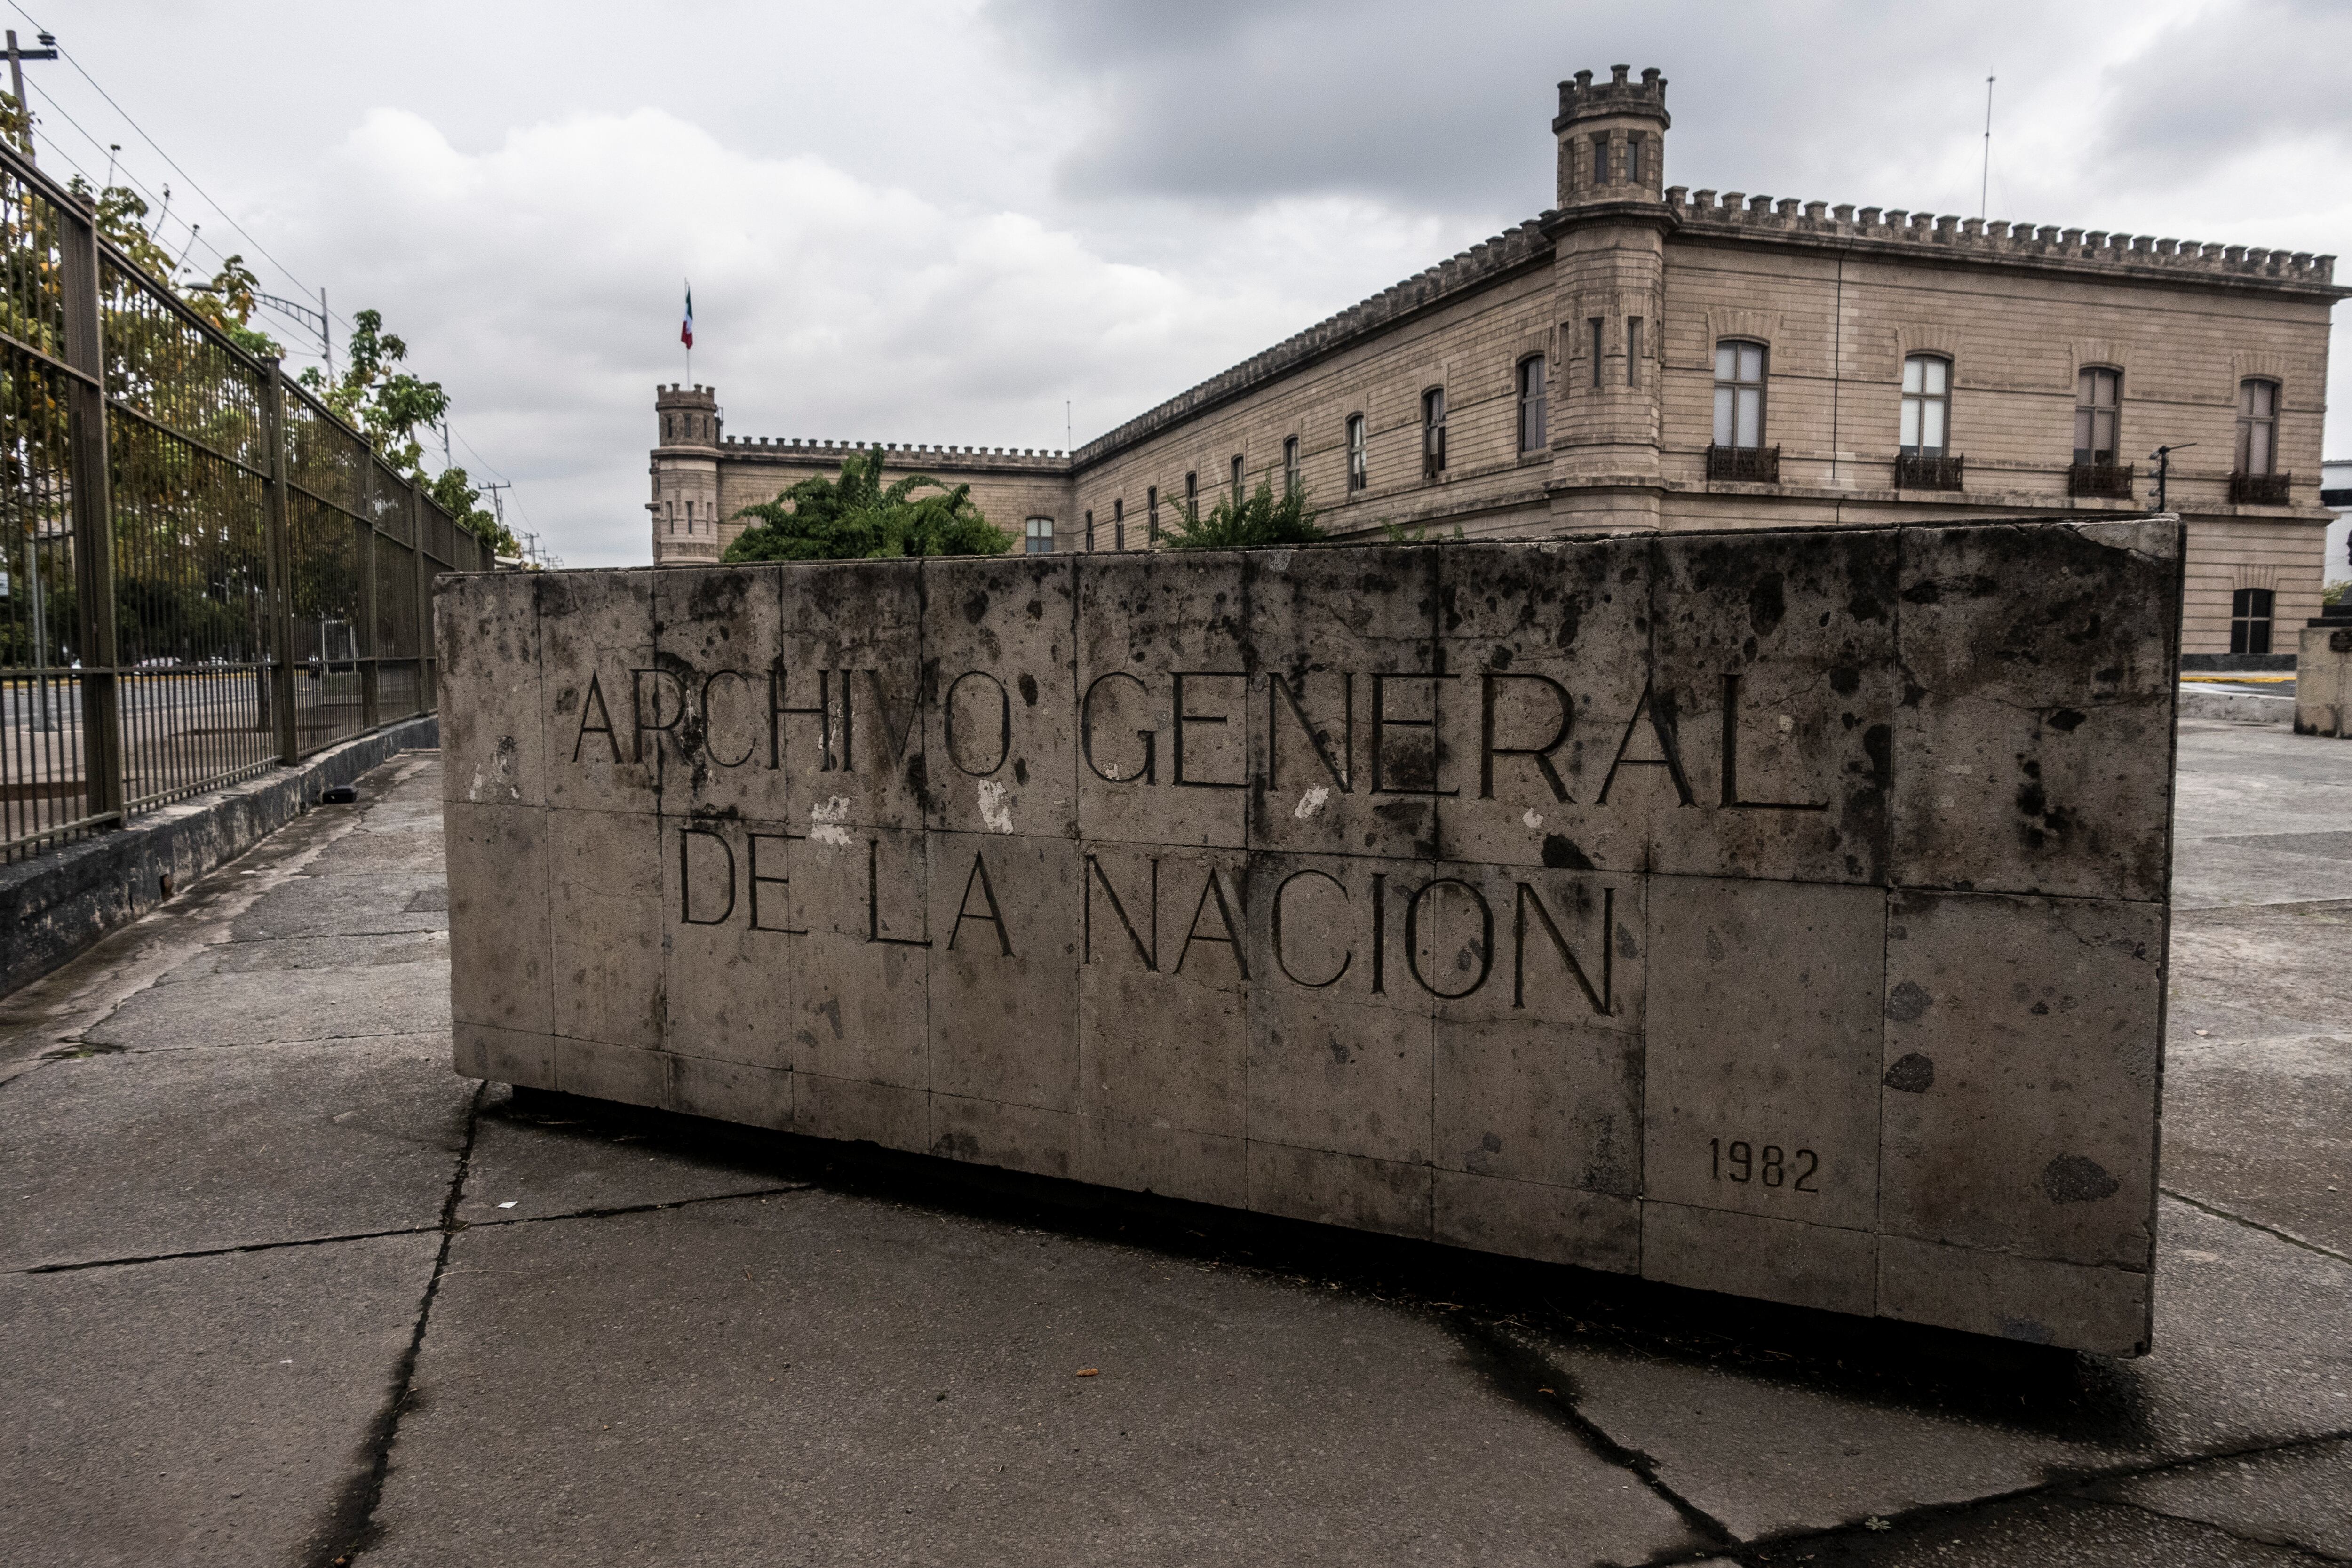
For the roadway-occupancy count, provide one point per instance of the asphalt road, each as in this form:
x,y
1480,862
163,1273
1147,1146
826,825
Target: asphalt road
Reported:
x,y
276,1288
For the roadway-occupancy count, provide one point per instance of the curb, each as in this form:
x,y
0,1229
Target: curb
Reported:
x,y
2237,708
55,904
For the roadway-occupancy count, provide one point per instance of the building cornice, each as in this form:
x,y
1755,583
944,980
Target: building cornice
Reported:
x,y
1495,261
1900,233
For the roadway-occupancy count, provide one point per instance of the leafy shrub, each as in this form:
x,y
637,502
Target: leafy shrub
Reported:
x,y
857,518
1261,519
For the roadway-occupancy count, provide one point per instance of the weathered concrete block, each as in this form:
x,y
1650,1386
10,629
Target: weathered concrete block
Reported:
x,y
1166,701
1552,646
729,944
2323,679
489,674
2035,731
1001,711
1763,1049
1779,914
1346,757
500,890
1776,657
2021,1073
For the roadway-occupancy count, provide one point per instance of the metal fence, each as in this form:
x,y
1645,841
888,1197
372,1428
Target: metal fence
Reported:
x,y
207,574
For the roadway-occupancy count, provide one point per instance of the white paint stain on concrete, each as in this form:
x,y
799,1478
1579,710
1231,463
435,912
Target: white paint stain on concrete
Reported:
x,y
993,809
1533,818
825,819
498,783
1313,801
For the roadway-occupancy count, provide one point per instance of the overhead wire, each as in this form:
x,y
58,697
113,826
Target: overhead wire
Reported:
x,y
162,206
226,216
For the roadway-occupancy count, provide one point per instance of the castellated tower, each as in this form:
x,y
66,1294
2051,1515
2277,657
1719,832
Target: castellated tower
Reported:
x,y
1608,292
685,507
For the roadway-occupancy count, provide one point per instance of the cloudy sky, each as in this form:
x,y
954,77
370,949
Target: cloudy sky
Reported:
x,y
944,220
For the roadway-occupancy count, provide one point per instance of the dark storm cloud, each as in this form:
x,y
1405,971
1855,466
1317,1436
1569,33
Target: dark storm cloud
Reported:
x,y
1447,108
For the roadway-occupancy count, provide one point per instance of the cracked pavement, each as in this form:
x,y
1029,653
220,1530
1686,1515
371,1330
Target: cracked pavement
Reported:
x,y
279,1287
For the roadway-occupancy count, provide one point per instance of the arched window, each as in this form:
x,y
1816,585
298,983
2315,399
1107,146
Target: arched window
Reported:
x,y
2098,400
1152,514
1191,496
1040,538
1237,478
1291,478
2250,621
1090,533
1532,428
1927,405
1119,522
2258,404
1358,460
1738,394
1432,433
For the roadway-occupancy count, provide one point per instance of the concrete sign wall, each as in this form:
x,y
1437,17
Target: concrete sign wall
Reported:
x,y
1776,913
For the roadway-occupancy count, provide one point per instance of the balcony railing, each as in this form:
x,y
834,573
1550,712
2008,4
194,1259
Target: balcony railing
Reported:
x,y
1744,465
2259,489
1919,472
2110,480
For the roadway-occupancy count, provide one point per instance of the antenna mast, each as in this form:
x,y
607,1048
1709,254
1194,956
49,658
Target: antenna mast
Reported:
x,y
1984,186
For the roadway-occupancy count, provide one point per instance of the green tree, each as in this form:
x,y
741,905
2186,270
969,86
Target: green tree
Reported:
x,y
1262,518
857,518
459,497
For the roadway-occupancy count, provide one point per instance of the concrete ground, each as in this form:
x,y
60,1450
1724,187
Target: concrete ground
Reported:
x,y
276,1288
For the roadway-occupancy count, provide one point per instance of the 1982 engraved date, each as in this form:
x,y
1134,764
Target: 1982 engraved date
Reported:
x,y
1740,1160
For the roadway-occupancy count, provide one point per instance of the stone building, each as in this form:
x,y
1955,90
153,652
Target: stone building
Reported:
x,y
1650,356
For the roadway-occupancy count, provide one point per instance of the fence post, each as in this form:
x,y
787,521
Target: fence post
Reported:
x,y
364,624
422,605
93,513
278,551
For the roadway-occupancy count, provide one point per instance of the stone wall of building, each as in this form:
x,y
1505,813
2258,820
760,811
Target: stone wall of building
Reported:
x,y
1838,296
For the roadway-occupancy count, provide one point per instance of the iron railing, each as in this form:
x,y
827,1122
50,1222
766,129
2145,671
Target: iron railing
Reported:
x,y
2113,481
2261,490
206,573
1924,471
1745,465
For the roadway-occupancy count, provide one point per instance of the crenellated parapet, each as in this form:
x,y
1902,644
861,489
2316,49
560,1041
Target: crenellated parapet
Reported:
x,y
901,455
1736,211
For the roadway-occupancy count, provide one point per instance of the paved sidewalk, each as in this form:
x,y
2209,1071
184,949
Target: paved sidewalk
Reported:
x,y
277,1288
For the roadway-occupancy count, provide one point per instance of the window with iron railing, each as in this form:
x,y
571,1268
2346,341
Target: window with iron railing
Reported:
x,y
1738,452
2255,478
2098,413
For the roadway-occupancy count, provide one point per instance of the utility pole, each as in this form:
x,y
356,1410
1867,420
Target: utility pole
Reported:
x,y
1984,185
16,58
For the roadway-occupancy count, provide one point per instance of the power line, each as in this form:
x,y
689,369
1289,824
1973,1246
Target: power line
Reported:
x,y
259,249
194,239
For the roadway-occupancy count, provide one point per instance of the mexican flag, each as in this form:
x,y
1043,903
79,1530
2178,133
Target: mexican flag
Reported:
x,y
686,333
